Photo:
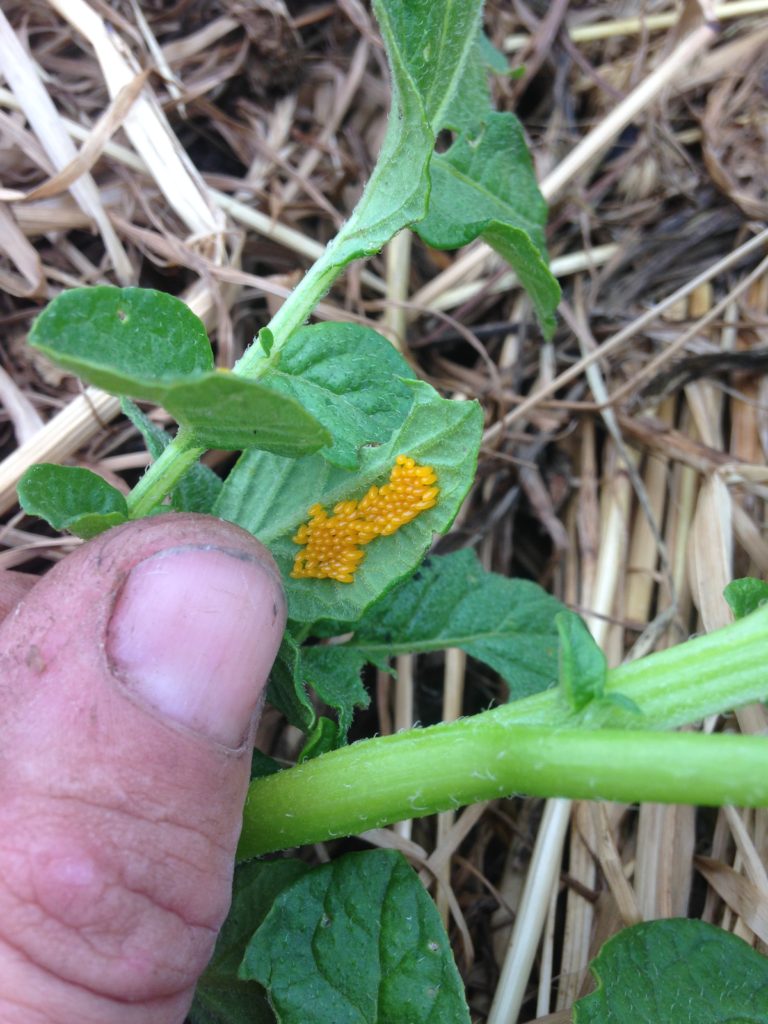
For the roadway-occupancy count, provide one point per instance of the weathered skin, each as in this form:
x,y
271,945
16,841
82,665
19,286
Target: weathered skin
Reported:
x,y
117,827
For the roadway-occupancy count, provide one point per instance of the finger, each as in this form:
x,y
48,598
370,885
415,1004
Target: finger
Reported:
x,y
13,587
130,677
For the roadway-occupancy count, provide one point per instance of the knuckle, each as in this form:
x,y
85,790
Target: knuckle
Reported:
x,y
126,907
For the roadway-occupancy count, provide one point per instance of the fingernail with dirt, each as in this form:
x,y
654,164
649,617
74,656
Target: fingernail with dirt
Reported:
x,y
193,635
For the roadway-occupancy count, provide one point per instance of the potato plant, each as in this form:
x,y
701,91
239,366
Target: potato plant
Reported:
x,y
350,465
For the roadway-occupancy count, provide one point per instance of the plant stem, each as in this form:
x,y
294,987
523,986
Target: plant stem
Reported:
x,y
295,310
163,475
679,685
181,454
535,746
422,771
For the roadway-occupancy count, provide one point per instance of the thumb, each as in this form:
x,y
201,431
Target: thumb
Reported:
x,y
130,675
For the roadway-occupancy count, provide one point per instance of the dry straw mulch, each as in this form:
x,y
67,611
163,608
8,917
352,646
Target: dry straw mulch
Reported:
x,y
211,147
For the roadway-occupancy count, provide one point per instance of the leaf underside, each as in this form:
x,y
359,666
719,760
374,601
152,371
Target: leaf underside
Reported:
x,y
351,379
270,497
428,45
141,343
484,186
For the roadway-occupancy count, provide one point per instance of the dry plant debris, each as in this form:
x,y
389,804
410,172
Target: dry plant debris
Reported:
x,y
208,149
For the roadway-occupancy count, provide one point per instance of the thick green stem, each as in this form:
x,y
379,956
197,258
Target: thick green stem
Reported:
x,y
676,686
410,774
536,746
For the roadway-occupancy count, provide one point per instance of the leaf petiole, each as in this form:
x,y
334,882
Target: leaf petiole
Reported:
x,y
163,474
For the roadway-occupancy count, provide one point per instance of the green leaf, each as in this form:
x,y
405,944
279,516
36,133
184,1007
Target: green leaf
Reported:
x,y
262,764
336,680
222,410
351,379
745,596
334,673
471,103
270,497
494,59
222,997
323,737
583,668
452,601
199,488
245,1003
129,341
286,690
357,941
155,438
428,45
256,886
266,339
71,498
491,174
675,971
434,42
146,344
618,700
514,245
485,186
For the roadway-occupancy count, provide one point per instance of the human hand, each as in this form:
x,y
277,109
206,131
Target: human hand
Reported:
x,y
130,676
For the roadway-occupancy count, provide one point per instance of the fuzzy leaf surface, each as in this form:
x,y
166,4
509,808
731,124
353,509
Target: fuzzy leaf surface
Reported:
x,y
334,674
483,178
675,970
452,601
270,498
485,186
435,42
357,941
128,341
71,498
222,410
428,45
286,690
336,680
222,997
199,488
471,103
142,343
746,595
351,379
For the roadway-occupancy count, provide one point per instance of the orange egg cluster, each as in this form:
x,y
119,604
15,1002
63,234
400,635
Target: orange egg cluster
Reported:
x,y
332,544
